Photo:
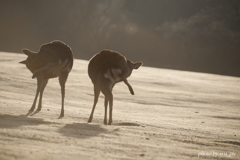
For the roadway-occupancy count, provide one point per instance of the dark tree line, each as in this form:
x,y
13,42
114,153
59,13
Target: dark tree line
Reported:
x,y
190,35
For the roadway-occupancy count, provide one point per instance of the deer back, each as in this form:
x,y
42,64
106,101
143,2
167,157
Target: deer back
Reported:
x,y
104,62
55,51
57,55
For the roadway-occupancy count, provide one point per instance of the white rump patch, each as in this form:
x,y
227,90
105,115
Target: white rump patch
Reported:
x,y
66,61
115,76
107,75
116,73
63,65
60,61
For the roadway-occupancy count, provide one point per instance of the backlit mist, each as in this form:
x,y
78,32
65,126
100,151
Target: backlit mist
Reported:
x,y
202,36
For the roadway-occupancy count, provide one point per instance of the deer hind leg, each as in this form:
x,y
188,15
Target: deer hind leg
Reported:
x,y
40,80
44,83
62,81
105,111
96,95
108,98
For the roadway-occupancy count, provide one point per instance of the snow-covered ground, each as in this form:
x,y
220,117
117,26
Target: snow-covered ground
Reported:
x,y
173,115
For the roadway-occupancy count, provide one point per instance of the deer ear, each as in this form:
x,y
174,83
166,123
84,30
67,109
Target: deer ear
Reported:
x,y
137,65
133,65
23,62
27,51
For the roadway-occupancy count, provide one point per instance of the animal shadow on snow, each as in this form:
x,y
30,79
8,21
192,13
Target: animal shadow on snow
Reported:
x,y
230,142
12,121
128,124
83,130
32,113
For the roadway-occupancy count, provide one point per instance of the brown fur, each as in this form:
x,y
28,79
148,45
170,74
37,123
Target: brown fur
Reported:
x,y
105,69
54,59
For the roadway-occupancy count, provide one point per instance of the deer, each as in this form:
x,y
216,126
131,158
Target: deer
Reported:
x,y
54,59
105,69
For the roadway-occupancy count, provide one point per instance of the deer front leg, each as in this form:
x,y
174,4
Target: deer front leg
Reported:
x,y
108,99
62,81
129,86
39,86
96,95
45,81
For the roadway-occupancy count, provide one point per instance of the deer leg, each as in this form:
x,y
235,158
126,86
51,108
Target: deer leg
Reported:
x,y
96,95
129,86
105,113
45,81
109,96
62,80
39,85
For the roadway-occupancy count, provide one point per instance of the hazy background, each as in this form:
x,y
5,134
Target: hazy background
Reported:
x,y
194,35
